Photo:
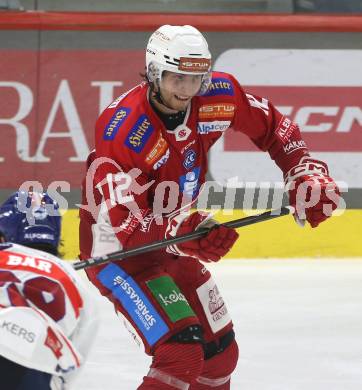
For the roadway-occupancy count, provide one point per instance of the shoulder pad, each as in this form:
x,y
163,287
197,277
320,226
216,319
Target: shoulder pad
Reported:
x,y
129,93
32,339
113,124
121,112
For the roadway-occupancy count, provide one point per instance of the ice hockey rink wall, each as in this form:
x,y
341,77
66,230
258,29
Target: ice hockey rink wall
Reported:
x,y
59,70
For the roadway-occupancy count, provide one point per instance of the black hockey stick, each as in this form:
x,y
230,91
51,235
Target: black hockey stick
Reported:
x,y
122,254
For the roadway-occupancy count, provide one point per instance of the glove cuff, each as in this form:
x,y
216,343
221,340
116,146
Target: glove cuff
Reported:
x,y
174,224
306,166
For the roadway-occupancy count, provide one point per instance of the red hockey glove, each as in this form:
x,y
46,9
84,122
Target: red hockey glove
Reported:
x,y
210,248
312,192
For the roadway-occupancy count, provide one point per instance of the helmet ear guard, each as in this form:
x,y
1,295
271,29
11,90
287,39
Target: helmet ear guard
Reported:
x,y
178,49
153,72
205,83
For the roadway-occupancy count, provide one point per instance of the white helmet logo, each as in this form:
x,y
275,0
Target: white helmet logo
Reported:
x,y
194,64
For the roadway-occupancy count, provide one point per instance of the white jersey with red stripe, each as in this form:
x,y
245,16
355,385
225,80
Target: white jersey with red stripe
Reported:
x,y
47,317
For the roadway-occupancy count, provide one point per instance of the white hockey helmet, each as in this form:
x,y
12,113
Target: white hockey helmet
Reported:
x,y
178,49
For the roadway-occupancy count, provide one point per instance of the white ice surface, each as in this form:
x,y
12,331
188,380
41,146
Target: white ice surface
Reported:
x,y
298,325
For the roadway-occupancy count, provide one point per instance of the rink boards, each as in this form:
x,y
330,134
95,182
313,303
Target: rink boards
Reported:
x,y
279,238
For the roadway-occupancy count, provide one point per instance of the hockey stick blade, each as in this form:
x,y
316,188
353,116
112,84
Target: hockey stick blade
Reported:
x,y
237,223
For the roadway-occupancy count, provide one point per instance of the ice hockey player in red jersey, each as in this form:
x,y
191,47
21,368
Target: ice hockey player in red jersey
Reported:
x,y
47,319
148,167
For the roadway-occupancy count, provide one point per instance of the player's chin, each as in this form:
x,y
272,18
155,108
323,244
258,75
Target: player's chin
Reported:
x,y
180,104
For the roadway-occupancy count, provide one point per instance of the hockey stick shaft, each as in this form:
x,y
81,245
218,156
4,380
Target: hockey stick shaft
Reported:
x,y
237,223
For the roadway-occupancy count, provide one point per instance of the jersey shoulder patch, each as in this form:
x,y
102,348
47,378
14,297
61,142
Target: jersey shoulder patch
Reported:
x,y
113,125
118,114
139,133
131,118
209,111
221,85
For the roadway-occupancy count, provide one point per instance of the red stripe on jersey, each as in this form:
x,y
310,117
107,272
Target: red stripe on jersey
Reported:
x,y
71,350
63,338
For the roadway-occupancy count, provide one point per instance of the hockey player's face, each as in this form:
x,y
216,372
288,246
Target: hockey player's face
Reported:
x,y
177,89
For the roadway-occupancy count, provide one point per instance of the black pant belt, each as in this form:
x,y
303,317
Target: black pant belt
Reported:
x,y
214,347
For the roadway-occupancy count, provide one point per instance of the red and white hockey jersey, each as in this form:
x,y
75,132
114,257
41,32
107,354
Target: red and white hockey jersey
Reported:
x,y
47,318
140,167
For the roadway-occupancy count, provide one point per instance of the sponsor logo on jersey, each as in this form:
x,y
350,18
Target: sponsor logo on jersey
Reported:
x,y
162,160
127,291
18,330
183,150
147,222
197,65
182,132
130,224
220,86
171,299
53,343
217,306
115,123
39,236
213,304
190,158
189,183
139,134
294,145
210,127
28,261
157,151
285,129
216,110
